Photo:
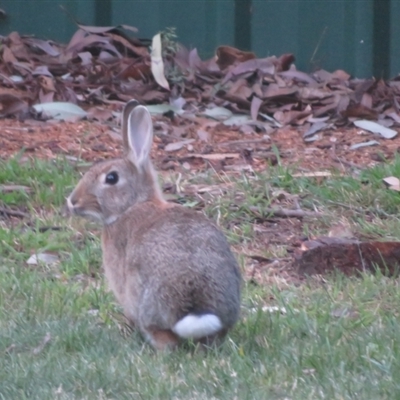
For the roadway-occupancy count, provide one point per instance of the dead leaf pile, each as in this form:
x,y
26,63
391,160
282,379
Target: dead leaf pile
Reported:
x,y
98,65
109,65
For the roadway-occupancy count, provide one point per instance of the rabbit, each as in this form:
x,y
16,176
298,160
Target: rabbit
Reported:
x,y
169,267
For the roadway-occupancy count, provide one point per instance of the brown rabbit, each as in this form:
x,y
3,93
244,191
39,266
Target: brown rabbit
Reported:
x,y
170,268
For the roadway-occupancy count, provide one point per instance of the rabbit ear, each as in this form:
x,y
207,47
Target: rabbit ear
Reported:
x,y
137,129
129,106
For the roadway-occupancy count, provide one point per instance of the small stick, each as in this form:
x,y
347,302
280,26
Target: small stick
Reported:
x,y
249,141
285,213
335,158
42,345
12,188
13,213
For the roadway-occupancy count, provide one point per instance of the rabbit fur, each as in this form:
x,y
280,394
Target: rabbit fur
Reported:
x,y
169,267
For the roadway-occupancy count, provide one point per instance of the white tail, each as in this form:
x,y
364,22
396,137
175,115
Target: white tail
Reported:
x,y
197,326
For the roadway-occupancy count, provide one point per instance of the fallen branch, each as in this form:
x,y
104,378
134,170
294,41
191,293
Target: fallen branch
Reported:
x,y
285,212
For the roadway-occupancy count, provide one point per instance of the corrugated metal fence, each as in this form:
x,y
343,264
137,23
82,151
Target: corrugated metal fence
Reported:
x,y
359,36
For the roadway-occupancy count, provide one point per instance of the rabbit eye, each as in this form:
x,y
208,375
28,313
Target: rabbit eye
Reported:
x,y
112,178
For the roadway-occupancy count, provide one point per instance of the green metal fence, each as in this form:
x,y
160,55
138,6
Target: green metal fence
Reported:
x,y
359,36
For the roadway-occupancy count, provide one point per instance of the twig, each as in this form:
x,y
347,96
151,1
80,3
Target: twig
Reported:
x,y
13,213
10,348
13,188
318,44
42,345
347,163
335,158
285,213
360,209
249,141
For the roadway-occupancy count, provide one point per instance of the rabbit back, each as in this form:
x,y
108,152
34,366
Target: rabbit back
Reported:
x,y
177,264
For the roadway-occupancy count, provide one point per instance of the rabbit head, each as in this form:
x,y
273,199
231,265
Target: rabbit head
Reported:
x,y
111,187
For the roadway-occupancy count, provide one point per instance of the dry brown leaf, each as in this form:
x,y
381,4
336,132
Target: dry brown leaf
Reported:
x,y
393,183
8,56
255,106
12,105
227,55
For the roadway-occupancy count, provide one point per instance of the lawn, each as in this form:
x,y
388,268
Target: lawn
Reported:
x,y
62,336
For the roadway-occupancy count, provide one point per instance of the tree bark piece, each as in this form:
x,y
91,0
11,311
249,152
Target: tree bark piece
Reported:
x,y
350,257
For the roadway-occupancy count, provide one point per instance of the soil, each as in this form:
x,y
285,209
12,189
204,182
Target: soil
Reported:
x,y
95,141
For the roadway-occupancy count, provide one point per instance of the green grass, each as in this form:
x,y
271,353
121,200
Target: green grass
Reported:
x,y
334,338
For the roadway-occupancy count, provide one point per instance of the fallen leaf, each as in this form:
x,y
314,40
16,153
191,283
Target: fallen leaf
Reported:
x,y
203,135
394,116
271,119
227,55
312,138
376,128
298,75
364,144
218,113
105,29
341,230
312,93
43,45
178,145
100,114
359,111
16,78
255,106
177,102
8,56
265,65
61,111
314,128
157,63
237,120
45,258
386,122
157,109
393,183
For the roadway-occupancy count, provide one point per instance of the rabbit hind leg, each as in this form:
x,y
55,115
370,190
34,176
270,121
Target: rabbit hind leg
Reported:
x,y
162,339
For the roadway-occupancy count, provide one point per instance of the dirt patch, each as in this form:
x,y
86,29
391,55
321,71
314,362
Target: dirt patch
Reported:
x,y
232,150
